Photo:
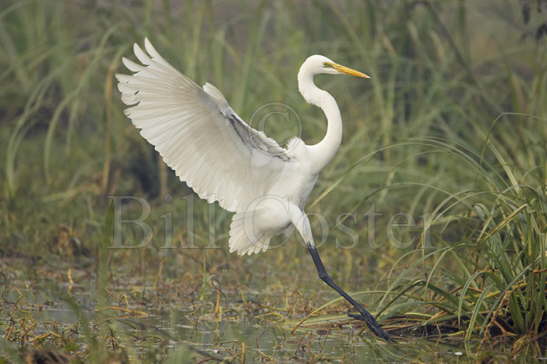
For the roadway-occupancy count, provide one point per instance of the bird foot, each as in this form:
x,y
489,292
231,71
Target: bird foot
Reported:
x,y
372,324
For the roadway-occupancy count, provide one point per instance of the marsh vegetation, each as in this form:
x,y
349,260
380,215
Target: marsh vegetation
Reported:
x,y
433,212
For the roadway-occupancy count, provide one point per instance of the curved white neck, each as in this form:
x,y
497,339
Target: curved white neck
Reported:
x,y
322,152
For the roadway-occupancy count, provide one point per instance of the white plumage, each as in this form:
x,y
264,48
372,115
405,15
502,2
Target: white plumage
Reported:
x,y
223,159
220,156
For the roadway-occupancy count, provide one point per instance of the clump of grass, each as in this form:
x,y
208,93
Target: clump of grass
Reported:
x,y
491,283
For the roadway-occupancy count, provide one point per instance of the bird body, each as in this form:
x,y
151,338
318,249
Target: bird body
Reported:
x,y
272,213
225,160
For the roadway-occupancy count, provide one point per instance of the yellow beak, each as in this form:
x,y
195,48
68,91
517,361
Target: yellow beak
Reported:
x,y
348,71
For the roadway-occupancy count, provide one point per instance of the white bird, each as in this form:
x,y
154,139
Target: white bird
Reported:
x,y
223,159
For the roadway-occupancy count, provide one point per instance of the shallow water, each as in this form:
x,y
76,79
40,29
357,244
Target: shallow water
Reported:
x,y
170,329
174,335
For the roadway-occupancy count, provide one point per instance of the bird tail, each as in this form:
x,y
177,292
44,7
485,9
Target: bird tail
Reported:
x,y
246,236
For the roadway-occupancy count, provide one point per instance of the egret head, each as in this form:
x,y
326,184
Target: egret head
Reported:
x,y
322,65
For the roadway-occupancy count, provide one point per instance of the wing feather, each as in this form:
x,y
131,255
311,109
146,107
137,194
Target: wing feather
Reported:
x,y
198,134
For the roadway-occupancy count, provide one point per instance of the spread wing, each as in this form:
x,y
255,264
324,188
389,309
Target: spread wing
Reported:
x,y
198,134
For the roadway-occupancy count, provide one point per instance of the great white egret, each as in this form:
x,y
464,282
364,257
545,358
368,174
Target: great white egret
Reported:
x,y
223,159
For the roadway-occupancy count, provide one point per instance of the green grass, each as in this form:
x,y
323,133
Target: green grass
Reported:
x,y
450,130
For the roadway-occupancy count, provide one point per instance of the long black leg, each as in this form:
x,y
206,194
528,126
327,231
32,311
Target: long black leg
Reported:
x,y
363,315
